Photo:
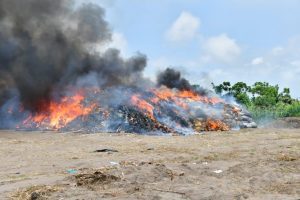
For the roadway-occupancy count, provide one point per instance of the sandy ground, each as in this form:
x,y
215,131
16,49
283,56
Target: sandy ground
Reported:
x,y
247,164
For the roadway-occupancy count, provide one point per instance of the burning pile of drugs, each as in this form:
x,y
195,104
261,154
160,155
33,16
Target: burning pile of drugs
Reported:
x,y
238,117
159,110
51,79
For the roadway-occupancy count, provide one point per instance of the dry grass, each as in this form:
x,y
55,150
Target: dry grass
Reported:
x,y
221,156
286,158
35,192
284,188
94,178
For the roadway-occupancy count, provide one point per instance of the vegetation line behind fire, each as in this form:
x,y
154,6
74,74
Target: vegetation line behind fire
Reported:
x,y
263,100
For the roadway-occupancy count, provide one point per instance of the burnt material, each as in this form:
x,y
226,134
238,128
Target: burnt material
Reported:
x,y
138,122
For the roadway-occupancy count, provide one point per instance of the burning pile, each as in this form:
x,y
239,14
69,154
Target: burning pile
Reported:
x,y
123,109
51,80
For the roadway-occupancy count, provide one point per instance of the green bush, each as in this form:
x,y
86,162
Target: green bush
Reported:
x,y
278,111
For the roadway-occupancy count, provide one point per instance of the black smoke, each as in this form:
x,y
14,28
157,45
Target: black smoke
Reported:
x,y
173,79
46,45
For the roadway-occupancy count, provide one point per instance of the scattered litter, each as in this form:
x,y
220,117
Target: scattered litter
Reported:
x,y
105,150
205,163
114,163
194,163
72,171
218,171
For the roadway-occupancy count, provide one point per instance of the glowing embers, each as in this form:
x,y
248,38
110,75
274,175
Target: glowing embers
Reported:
x,y
209,125
60,114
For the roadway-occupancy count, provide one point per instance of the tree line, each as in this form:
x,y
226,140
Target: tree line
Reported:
x,y
261,99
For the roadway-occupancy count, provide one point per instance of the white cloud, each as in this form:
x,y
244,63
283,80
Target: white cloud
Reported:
x,y
296,63
184,29
222,48
257,61
277,50
281,65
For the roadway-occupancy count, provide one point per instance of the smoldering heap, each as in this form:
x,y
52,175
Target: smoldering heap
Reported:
x,y
53,77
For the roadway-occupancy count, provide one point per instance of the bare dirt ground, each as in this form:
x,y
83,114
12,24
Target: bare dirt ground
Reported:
x,y
247,164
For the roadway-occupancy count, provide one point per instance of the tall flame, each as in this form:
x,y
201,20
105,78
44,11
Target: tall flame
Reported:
x,y
62,113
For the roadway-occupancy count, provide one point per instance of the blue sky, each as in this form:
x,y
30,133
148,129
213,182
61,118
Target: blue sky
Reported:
x,y
212,40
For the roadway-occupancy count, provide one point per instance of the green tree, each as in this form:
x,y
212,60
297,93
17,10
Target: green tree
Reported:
x,y
224,87
285,96
264,94
239,90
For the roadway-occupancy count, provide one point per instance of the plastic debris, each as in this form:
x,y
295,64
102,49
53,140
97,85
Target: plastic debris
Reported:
x,y
106,150
114,163
72,171
218,171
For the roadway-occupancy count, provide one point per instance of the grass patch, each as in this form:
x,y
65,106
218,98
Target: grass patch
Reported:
x,y
280,110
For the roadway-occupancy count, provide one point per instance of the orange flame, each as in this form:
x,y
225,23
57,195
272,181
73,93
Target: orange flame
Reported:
x,y
165,94
143,105
216,125
62,113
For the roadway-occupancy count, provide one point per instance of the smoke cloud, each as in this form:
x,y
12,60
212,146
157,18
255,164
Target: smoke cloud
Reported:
x,y
172,79
46,45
